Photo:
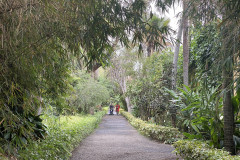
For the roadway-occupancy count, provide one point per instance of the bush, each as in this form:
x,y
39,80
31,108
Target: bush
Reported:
x,y
199,150
163,134
65,133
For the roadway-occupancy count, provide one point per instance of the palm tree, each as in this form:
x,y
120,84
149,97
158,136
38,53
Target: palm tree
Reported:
x,y
157,30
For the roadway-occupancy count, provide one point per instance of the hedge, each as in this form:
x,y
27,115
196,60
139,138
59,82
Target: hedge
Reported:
x,y
163,134
64,135
199,150
187,149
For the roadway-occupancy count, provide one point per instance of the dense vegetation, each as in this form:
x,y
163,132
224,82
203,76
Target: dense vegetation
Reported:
x,y
64,133
51,52
203,101
42,44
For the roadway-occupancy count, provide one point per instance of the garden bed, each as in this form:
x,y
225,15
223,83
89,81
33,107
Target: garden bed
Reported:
x,y
65,133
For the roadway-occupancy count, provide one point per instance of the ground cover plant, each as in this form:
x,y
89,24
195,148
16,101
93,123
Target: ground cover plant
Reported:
x,y
64,133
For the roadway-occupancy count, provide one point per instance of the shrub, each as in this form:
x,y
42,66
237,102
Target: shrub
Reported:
x,y
65,133
160,133
199,150
200,112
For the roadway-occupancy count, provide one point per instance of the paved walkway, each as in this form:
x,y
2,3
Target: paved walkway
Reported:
x,y
116,139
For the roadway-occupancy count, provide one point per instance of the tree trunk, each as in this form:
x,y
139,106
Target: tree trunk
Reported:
x,y
228,112
227,73
94,70
185,44
175,58
173,109
149,49
124,90
127,99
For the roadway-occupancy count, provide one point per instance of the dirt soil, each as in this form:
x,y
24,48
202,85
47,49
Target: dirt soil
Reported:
x,y
116,139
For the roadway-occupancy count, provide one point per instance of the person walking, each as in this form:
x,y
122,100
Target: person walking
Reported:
x,y
117,108
111,109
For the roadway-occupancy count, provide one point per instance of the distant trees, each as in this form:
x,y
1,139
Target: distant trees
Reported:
x,y
147,88
176,55
121,69
87,93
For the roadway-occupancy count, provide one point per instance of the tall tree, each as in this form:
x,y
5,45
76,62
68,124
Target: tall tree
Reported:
x,y
185,43
230,48
228,112
173,109
176,54
122,65
229,14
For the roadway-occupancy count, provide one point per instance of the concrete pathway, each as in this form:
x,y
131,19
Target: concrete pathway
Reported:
x,y
116,139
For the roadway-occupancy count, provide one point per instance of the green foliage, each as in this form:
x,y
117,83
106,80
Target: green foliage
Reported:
x,y
147,91
29,73
200,112
236,107
228,52
87,93
204,58
199,150
19,134
39,39
160,133
153,39
64,134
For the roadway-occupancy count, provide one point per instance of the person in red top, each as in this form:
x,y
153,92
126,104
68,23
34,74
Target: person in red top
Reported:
x,y
117,108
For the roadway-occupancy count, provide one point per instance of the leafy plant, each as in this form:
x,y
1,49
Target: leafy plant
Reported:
x,y
161,133
199,150
64,134
200,113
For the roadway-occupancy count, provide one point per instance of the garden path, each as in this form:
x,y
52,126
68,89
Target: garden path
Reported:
x,y
116,139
